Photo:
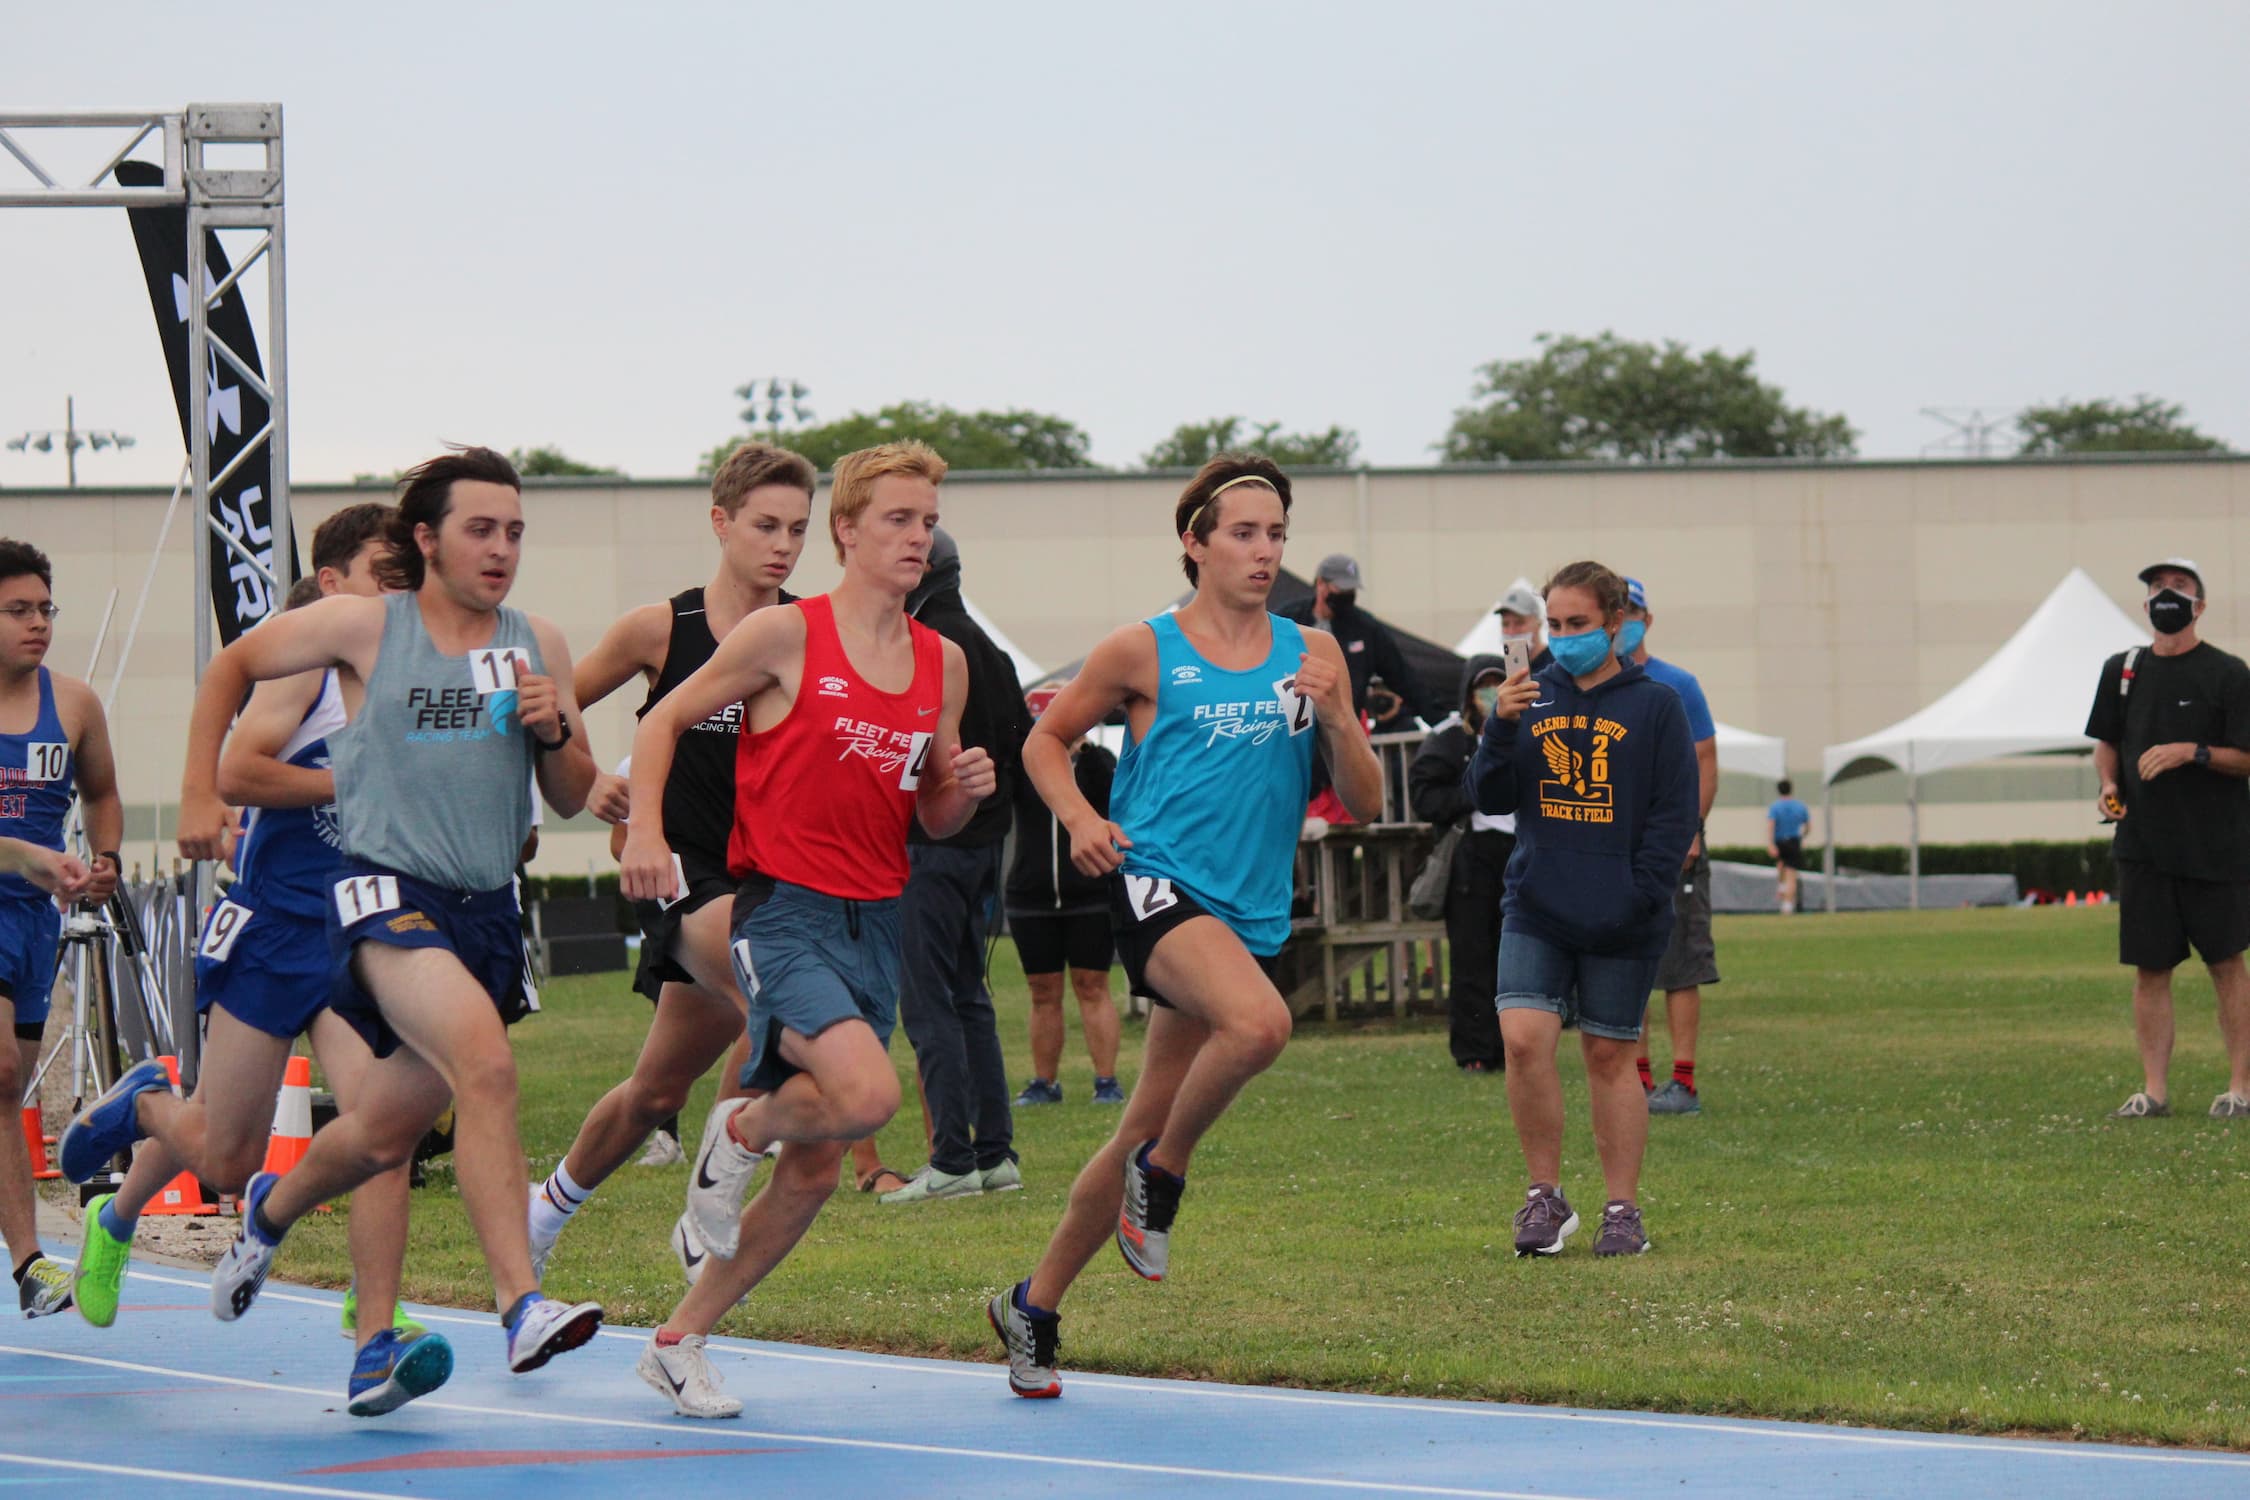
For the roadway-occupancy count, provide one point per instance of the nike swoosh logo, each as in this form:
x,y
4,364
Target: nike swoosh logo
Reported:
x,y
1550,703
924,713
679,1387
693,1256
702,1178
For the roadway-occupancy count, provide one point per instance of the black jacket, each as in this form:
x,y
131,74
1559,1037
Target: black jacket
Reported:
x,y
1371,651
993,718
1434,788
1042,880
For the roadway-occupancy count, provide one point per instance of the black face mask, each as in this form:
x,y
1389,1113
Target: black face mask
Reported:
x,y
2171,611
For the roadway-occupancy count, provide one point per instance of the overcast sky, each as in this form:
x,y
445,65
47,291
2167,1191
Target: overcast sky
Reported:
x,y
584,224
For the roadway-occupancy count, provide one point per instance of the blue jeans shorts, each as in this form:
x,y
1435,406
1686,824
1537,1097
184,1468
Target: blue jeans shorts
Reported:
x,y
806,961
1601,995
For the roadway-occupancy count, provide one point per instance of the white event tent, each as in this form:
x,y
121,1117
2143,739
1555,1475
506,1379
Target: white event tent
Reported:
x,y
1740,750
2029,698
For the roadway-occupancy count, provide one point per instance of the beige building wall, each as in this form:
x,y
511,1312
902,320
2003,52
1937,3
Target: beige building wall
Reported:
x,y
1817,601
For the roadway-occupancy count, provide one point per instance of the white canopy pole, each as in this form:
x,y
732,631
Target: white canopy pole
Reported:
x,y
1828,849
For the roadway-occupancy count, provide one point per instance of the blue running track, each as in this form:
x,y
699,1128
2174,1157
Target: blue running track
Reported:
x,y
171,1396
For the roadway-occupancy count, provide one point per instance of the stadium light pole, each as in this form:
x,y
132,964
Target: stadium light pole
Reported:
x,y
43,439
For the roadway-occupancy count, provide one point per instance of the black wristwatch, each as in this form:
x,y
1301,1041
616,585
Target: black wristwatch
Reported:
x,y
544,746
2203,755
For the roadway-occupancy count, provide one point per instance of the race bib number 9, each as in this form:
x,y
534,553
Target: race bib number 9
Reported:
x,y
496,671
219,934
47,761
910,776
359,897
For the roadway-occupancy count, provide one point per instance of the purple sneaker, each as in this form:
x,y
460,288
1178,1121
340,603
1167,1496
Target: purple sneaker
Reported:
x,y
1621,1231
1544,1221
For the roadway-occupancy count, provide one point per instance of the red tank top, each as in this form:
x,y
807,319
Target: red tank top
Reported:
x,y
822,798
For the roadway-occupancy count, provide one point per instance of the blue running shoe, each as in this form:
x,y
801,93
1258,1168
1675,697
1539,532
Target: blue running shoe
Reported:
x,y
1108,1091
110,1124
393,1368
242,1270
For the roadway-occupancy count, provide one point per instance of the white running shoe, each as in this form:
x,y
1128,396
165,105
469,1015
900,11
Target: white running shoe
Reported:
x,y
688,1249
663,1151
542,1246
242,1270
547,1329
683,1372
720,1181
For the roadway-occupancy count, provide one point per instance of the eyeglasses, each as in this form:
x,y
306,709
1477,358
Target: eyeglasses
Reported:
x,y
24,609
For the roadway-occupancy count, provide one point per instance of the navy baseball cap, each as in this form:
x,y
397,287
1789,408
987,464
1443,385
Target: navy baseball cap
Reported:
x,y
1635,594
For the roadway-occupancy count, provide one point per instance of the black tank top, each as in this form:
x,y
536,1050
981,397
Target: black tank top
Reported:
x,y
699,794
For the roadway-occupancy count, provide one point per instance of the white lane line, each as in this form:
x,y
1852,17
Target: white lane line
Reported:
x,y
174,1476
1406,1405
802,1439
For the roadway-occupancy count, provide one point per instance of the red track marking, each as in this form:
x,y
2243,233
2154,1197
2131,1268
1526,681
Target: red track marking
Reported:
x,y
504,1458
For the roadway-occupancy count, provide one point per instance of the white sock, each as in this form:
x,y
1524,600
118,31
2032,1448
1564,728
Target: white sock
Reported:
x,y
557,1199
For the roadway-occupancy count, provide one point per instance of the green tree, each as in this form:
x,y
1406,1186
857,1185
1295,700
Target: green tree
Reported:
x,y
1192,444
549,462
2143,425
1620,399
965,439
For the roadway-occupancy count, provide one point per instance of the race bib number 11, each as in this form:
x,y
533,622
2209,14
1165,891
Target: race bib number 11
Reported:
x,y
359,897
495,671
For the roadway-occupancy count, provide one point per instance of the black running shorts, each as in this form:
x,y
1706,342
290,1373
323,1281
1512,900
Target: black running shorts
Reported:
x,y
2160,916
1141,920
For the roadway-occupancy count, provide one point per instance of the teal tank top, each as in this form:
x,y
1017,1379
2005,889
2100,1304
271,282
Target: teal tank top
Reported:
x,y
433,773
1213,795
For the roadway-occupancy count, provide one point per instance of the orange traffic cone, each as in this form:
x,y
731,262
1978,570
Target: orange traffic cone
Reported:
x,y
39,1144
184,1193
2070,898
292,1118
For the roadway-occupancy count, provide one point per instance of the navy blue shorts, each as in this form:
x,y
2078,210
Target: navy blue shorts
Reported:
x,y
30,935
270,970
483,929
1601,996
807,961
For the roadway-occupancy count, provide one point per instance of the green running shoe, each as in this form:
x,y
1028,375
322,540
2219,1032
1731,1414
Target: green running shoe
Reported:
x,y
101,1267
405,1326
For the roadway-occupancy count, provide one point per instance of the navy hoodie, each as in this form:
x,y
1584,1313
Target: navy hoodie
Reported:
x,y
1603,786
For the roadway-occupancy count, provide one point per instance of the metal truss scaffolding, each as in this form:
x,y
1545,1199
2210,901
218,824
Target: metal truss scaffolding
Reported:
x,y
217,197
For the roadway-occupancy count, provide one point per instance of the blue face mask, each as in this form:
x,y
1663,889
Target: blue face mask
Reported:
x,y
1582,654
1629,637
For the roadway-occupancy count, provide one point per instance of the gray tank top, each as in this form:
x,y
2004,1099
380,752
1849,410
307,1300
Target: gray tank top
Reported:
x,y
430,773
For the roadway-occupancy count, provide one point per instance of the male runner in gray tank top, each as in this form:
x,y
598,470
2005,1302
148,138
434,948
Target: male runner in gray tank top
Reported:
x,y
461,698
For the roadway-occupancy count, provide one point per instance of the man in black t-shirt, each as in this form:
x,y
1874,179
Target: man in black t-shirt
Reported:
x,y
2171,732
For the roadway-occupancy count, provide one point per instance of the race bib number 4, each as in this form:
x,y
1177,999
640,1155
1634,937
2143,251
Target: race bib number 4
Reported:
x,y
917,758
496,671
219,934
46,761
359,897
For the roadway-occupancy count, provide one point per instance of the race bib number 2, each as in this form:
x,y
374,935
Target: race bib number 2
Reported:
x,y
359,897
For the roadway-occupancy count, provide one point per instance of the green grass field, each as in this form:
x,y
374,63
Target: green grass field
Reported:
x,y
1902,1206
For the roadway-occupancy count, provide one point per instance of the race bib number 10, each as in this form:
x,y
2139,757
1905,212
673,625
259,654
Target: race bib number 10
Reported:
x,y
46,761
359,897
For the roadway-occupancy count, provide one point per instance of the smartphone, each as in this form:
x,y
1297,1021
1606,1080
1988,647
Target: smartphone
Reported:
x,y
1516,651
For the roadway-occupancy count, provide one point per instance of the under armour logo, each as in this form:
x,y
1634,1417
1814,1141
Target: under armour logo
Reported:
x,y
222,403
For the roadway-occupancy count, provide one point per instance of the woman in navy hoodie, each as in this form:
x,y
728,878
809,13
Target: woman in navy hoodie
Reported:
x,y
1593,758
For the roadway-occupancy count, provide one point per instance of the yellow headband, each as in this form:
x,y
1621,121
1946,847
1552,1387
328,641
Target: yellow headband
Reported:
x,y
1222,489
